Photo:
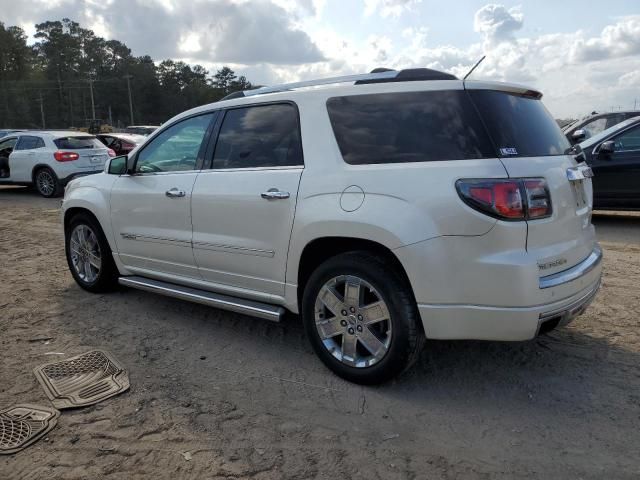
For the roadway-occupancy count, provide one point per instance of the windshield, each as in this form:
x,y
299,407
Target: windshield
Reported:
x,y
77,143
519,126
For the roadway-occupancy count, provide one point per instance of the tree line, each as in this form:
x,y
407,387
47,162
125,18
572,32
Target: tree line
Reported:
x,y
69,73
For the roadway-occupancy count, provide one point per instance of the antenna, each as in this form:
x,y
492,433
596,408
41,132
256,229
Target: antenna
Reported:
x,y
474,67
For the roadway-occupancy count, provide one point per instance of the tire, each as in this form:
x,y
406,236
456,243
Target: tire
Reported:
x,y
83,263
46,183
398,339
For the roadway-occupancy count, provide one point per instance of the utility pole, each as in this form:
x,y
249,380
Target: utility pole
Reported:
x,y
42,110
93,106
128,77
110,119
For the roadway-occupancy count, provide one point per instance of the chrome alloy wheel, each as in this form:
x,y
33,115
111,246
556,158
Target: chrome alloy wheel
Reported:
x,y
45,182
85,253
353,321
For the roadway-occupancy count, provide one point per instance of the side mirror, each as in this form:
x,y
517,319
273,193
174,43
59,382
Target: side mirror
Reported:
x,y
579,135
117,165
607,148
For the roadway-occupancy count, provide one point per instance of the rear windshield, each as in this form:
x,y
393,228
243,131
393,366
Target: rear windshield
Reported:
x,y
442,125
408,127
77,143
519,126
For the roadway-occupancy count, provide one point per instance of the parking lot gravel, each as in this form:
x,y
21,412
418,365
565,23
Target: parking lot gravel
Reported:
x,y
217,395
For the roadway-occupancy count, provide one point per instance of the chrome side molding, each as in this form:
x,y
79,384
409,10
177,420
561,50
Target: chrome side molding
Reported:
x,y
224,302
577,271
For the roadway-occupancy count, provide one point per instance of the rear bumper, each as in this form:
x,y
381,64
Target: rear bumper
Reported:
x,y
477,322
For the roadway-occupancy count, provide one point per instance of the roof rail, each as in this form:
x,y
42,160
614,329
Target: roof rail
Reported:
x,y
322,81
377,75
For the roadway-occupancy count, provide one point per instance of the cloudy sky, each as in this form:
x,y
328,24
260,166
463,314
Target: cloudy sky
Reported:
x,y
583,55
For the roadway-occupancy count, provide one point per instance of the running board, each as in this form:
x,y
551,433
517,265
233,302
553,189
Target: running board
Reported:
x,y
224,302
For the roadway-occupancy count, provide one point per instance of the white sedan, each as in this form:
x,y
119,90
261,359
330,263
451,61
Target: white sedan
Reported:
x,y
49,160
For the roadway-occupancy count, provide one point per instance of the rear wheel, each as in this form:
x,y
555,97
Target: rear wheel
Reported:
x,y
361,318
89,255
47,183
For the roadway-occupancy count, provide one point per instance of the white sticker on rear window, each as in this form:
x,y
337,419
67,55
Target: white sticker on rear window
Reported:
x,y
508,151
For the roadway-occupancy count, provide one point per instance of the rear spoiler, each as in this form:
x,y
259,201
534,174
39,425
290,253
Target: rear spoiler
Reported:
x,y
512,88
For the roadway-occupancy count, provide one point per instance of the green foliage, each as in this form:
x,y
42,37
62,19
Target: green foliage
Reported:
x,y
58,69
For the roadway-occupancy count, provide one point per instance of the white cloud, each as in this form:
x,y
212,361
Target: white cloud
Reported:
x,y
619,40
388,8
496,23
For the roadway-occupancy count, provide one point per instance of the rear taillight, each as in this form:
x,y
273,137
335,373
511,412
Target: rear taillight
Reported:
x,y
111,152
65,156
509,199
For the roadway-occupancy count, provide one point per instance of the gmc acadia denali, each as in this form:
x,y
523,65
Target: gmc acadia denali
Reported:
x,y
383,208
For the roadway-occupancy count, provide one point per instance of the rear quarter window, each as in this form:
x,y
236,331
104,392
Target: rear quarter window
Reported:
x,y
408,127
78,143
519,126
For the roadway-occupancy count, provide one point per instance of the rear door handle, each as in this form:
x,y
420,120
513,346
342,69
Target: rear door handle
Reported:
x,y
274,194
175,193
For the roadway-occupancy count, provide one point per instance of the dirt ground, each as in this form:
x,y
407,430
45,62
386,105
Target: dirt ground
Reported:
x,y
260,405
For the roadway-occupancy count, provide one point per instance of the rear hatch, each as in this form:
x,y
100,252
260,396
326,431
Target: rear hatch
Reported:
x,y
531,145
92,154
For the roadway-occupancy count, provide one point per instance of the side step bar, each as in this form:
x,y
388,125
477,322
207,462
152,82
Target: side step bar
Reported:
x,y
225,302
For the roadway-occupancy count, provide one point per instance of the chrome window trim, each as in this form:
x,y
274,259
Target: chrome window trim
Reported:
x,y
256,169
577,271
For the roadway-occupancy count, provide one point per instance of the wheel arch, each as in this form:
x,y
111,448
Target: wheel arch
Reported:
x,y
40,166
321,249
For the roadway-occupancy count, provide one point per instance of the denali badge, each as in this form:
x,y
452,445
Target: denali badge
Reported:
x,y
553,263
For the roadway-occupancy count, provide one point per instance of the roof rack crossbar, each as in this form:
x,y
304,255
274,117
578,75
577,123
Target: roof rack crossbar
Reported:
x,y
322,81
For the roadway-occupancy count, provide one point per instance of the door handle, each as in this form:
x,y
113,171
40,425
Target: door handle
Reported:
x,y
175,193
274,194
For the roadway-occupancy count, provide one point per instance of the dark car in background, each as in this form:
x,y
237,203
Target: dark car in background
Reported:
x,y
587,127
121,143
614,157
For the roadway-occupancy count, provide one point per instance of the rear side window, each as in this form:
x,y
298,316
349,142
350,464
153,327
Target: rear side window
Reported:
x,y
259,136
29,142
77,143
519,126
408,127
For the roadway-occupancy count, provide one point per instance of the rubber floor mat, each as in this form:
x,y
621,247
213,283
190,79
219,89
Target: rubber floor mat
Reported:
x,y
83,380
22,425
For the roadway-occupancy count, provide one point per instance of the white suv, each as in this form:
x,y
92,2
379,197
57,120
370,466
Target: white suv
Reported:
x,y
49,160
400,206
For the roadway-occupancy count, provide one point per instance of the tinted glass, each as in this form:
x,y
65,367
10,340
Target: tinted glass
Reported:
x,y
628,141
595,126
519,126
175,149
408,127
77,143
29,143
260,136
6,146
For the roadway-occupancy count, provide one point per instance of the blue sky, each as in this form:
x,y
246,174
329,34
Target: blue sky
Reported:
x,y
583,55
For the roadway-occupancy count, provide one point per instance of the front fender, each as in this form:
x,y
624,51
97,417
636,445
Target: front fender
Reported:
x,y
93,195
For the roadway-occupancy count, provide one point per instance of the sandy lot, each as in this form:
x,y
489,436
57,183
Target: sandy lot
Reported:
x,y
259,405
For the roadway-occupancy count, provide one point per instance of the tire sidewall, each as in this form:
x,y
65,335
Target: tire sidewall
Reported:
x,y
396,358
56,182
105,275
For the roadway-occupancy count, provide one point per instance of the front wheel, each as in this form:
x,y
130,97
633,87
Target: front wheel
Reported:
x,y
361,318
89,255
